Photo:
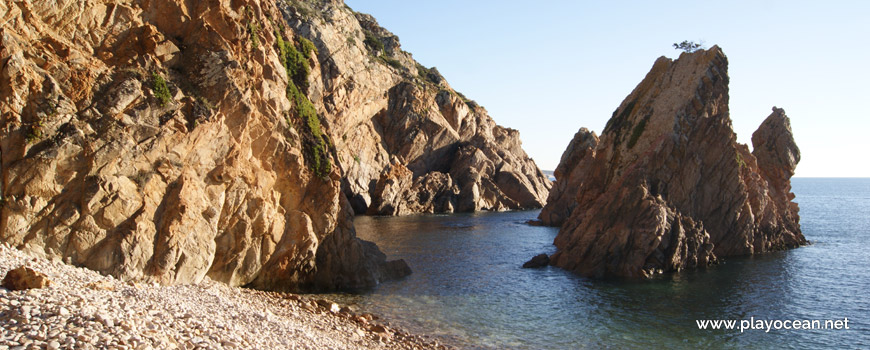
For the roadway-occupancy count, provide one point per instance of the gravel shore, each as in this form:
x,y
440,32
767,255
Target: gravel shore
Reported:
x,y
82,309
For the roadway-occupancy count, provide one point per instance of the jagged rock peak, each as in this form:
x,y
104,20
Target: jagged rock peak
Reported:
x,y
569,177
668,187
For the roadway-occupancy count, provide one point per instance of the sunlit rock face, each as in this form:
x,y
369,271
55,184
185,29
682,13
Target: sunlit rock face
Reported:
x,y
667,186
168,140
155,141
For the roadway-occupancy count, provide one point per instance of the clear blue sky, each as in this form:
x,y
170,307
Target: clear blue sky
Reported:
x,y
547,68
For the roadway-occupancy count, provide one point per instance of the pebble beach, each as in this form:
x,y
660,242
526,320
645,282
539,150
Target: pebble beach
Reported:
x,y
82,309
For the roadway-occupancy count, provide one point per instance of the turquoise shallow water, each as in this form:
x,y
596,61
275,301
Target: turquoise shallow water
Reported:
x,y
468,287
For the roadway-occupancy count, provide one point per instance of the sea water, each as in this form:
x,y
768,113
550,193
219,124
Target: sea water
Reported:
x,y
469,290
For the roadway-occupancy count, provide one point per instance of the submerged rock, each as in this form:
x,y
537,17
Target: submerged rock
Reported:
x,y
535,222
668,187
540,260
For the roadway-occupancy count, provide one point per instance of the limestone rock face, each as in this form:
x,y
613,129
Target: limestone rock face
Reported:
x,y
668,187
387,112
155,141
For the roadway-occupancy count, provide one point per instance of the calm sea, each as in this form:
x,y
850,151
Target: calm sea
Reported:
x,y
468,287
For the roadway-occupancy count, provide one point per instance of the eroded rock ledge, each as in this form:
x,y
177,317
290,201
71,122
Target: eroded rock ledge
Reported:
x,y
668,187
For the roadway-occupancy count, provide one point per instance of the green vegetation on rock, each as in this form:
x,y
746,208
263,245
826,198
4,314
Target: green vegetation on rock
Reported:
x,y
373,42
307,48
740,161
378,50
34,132
314,141
427,74
306,11
253,28
160,88
392,62
688,46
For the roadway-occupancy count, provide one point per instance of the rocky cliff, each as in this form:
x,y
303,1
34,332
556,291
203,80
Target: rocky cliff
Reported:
x,y
668,187
405,141
168,140
161,140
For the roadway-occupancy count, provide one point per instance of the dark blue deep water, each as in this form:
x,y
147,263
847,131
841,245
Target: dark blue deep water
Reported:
x,y
468,288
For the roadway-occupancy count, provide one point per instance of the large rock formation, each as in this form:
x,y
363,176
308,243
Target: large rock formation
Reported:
x,y
668,187
156,141
168,140
406,141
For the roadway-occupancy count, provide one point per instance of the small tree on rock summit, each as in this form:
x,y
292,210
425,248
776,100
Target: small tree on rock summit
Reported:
x,y
688,46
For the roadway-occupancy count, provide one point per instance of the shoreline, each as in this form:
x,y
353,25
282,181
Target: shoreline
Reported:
x,y
83,309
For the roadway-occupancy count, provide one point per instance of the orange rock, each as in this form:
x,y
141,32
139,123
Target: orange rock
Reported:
x,y
210,183
155,141
25,278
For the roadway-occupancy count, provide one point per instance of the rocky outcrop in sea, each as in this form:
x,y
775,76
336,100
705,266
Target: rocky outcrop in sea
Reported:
x,y
667,187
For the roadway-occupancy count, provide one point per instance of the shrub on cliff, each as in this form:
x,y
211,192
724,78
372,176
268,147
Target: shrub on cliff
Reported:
x,y
392,62
307,47
161,90
688,46
295,61
373,42
253,28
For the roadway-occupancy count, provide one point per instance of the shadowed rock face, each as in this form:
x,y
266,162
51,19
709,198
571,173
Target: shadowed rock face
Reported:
x,y
209,177
668,187
572,168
